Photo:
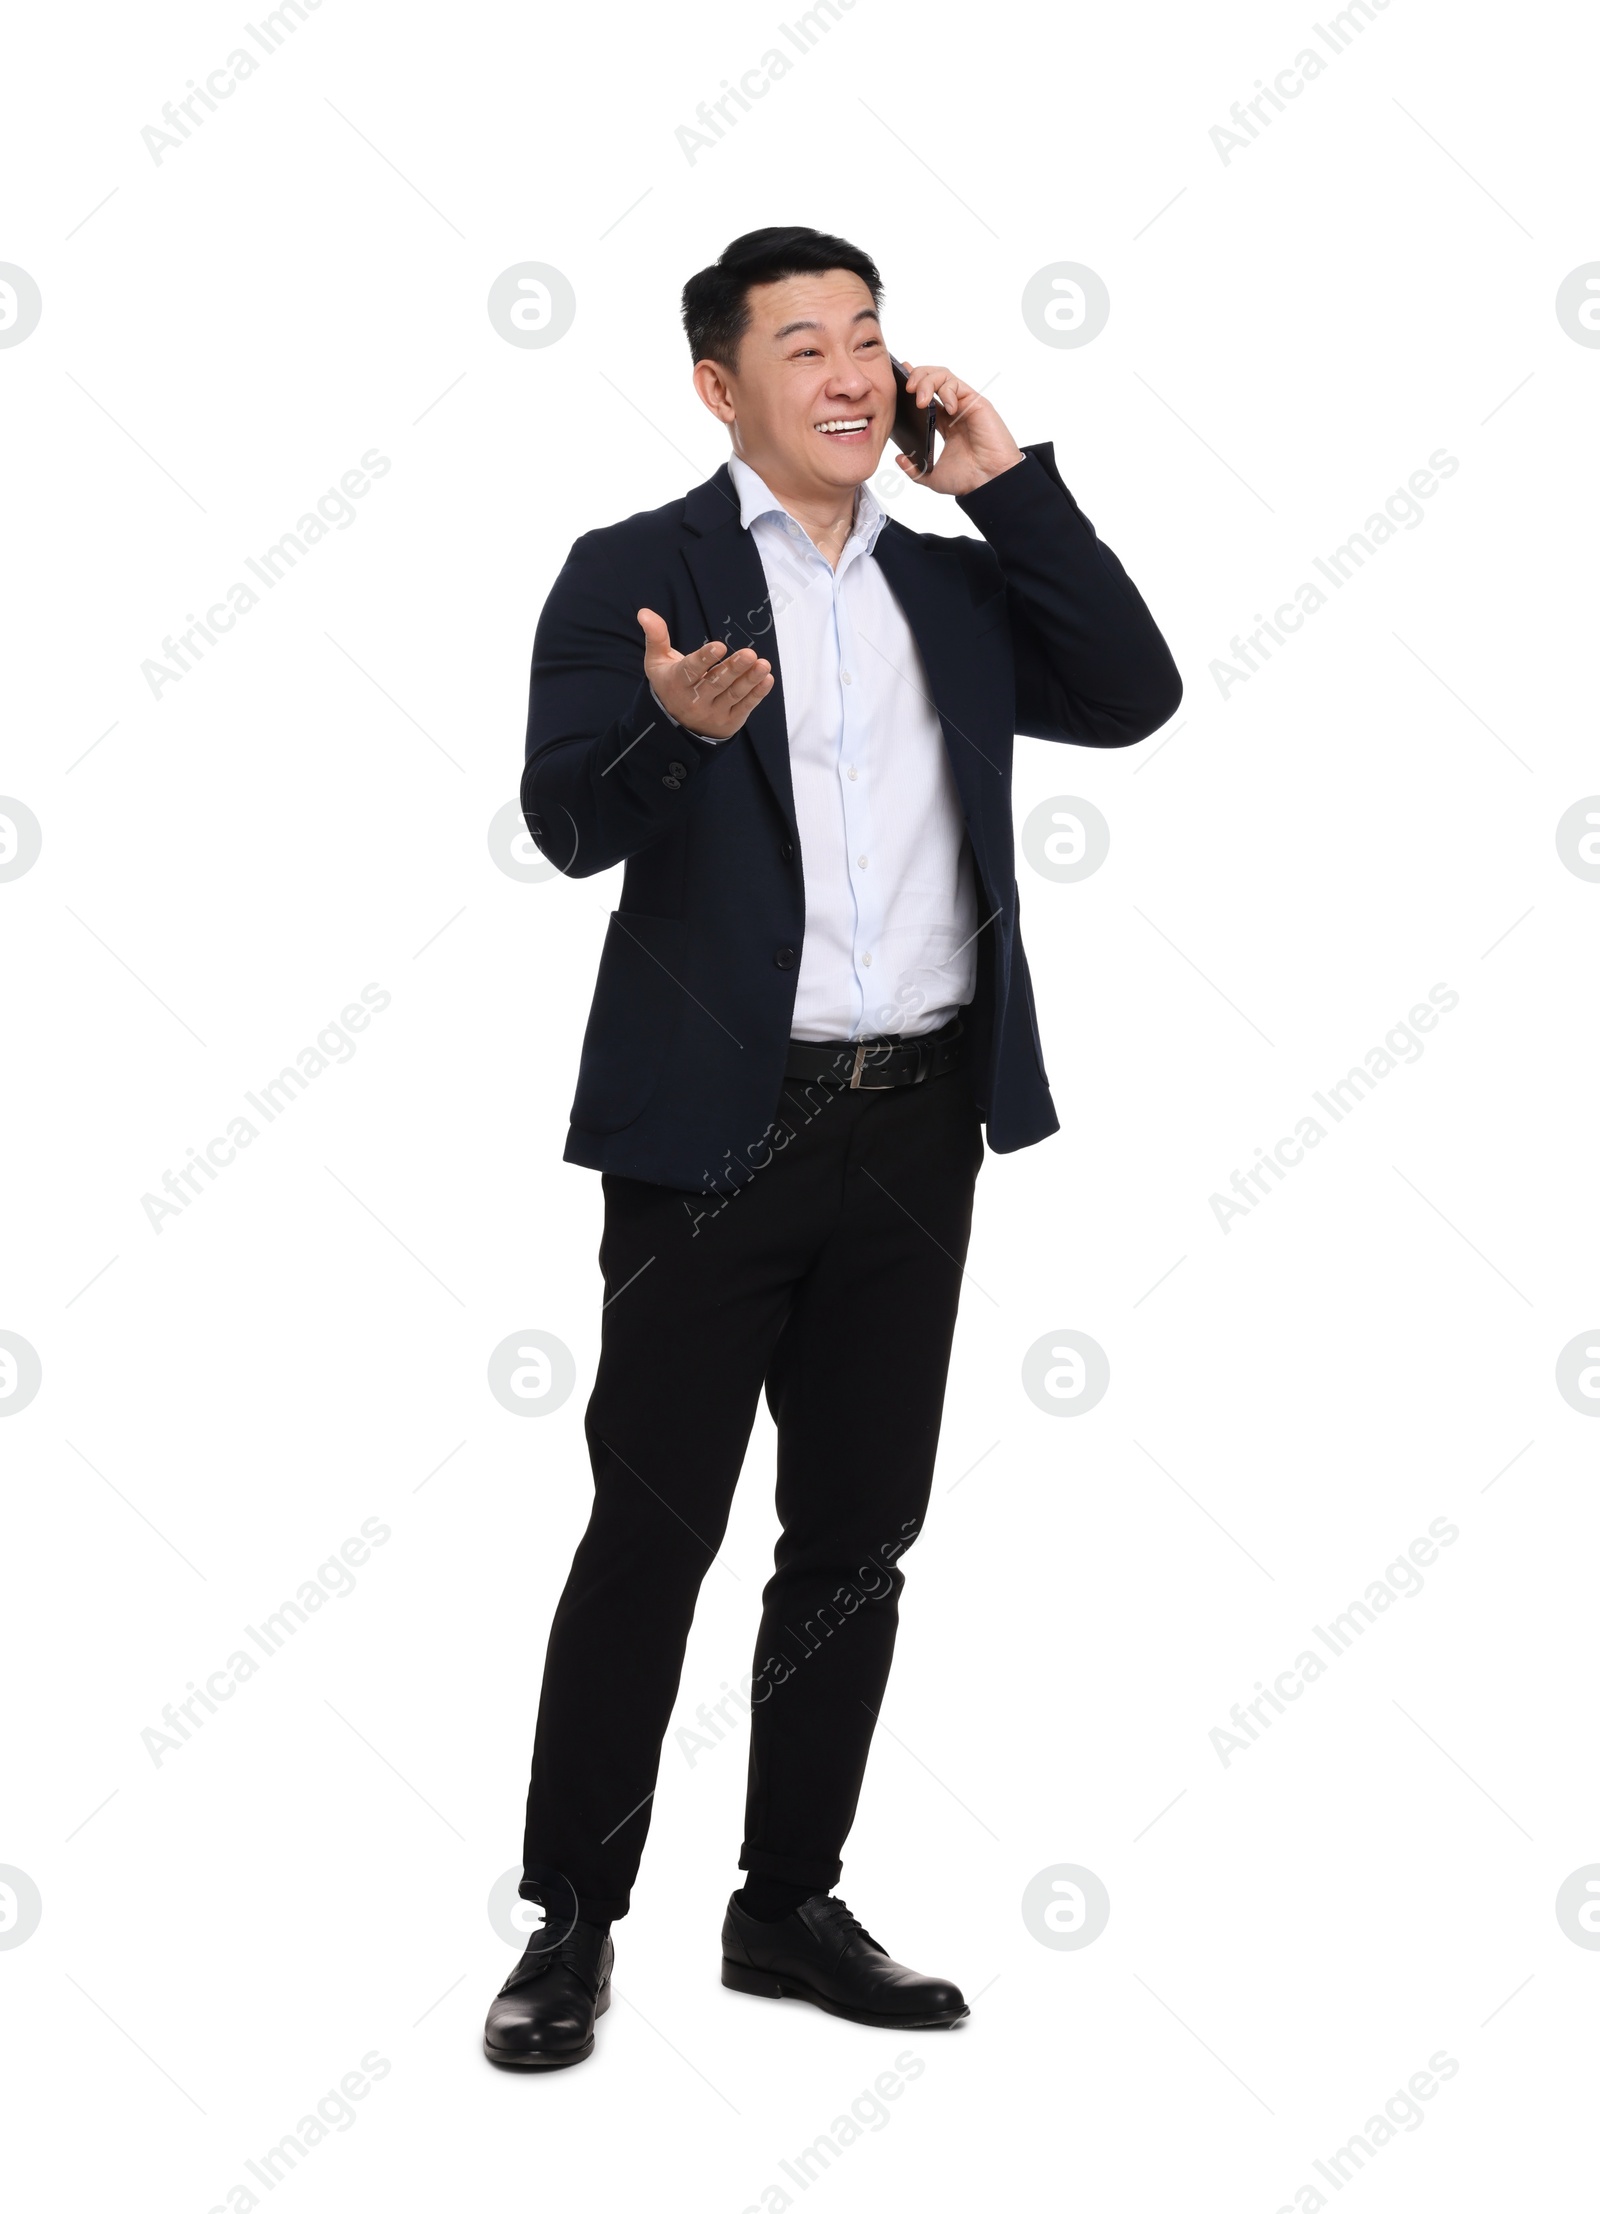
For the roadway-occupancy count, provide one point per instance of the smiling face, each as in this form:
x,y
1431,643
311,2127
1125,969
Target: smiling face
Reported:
x,y
811,399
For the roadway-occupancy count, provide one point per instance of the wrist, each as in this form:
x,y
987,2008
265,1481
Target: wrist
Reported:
x,y
1001,466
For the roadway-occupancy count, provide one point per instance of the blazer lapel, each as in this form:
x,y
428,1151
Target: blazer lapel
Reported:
x,y
731,586
933,596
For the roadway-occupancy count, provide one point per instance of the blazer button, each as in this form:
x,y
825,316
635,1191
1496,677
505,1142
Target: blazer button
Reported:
x,y
784,957
786,851
676,768
673,783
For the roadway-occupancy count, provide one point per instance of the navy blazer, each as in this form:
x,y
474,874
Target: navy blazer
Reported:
x,y
1033,628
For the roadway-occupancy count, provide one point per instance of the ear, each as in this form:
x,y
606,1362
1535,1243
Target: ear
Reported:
x,y
716,392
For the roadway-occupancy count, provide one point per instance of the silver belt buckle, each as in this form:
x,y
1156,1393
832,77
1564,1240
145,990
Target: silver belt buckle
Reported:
x,y
856,1084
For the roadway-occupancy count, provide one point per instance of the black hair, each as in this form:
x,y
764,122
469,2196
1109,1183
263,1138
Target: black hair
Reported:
x,y
716,304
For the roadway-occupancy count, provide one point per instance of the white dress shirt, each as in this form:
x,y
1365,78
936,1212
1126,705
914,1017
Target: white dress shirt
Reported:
x,y
891,906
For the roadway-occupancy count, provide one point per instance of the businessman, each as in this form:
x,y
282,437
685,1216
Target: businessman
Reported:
x,y
791,719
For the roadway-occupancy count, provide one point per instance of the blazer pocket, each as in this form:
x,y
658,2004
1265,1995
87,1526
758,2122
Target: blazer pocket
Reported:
x,y
633,1019
990,615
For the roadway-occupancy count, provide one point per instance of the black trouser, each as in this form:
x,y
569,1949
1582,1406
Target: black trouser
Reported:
x,y
832,1276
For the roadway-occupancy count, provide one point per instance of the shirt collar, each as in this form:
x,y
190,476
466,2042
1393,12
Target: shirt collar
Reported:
x,y
755,500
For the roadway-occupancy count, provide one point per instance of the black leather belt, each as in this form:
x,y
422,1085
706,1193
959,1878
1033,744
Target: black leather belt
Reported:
x,y
878,1064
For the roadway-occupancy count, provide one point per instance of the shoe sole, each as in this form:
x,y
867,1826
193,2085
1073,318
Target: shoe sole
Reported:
x,y
759,1983
504,2059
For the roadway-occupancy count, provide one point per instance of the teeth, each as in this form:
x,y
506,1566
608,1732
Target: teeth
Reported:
x,y
856,423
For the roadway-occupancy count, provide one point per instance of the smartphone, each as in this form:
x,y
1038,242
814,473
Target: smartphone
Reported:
x,y
913,426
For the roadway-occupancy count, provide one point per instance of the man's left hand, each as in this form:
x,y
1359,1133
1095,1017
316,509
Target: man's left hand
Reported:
x,y
976,444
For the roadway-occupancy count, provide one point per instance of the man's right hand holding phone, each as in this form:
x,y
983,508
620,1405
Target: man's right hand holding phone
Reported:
x,y
711,692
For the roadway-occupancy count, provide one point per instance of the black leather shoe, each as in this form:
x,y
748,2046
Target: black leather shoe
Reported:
x,y
545,2013
820,1952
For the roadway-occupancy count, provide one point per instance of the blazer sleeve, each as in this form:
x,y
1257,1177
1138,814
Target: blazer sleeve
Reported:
x,y
1092,668
606,770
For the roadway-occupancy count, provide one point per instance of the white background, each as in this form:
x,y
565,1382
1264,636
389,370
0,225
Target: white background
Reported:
x,y
1292,333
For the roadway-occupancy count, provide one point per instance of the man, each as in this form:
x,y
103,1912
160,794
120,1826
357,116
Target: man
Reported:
x,y
811,998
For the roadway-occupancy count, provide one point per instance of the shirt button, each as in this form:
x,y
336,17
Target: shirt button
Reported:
x,y
852,776
866,960
861,860
844,675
